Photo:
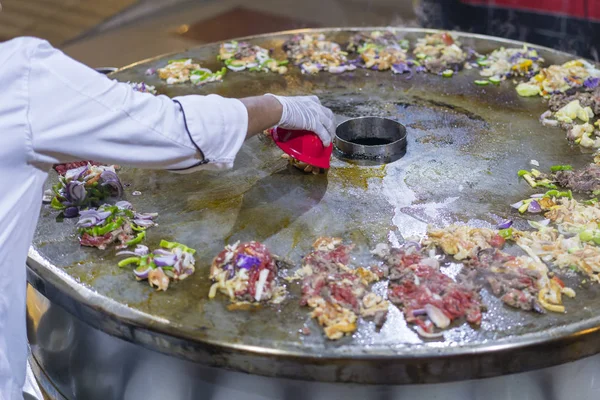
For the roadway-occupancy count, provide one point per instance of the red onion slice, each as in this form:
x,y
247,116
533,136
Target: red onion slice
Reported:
x,y
505,225
143,274
165,261
437,316
124,205
534,207
75,192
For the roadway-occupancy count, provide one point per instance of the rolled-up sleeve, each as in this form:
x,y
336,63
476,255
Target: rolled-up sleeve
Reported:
x,y
75,113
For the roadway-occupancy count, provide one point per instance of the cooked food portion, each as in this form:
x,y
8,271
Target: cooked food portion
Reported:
x,y
337,293
363,40
564,251
246,273
181,71
560,78
380,50
142,87
510,63
520,282
440,52
239,56
428,298
171,262
302,165
85,186
109,224
313,53
589,98
462,241
586,180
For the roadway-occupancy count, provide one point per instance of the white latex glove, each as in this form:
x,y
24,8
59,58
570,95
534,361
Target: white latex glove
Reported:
x,y
307,113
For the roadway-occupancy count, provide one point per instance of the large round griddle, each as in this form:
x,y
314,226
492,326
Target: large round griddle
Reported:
x,y
465,144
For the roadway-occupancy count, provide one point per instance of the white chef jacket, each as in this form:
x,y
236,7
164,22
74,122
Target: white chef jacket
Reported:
x,y
54,110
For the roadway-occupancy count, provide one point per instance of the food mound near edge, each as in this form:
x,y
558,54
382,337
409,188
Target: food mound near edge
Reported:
x,y
439,52
181,71
172,261
428,298
239,56
381,51
510,63
573,242
522,282
109,224
337,293
84,186
314,54
246,273
560,79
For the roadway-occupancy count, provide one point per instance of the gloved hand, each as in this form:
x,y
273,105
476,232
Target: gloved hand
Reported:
x,y
307,113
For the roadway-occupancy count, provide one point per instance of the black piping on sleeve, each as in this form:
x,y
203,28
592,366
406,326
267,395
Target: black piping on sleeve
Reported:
x,y
204,159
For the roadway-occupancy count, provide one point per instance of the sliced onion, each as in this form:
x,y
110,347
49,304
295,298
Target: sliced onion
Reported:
x,y
419,311
431,262
142,274
236,69
150,71
124,205
141,250
400,68
161,252
146,215
76,192
111,179
412,244
505,225
87,222
433,335
143,223
165,261
75,173
127,253
71,212
260,284
437,316
337,69
537,196
534,207
517,205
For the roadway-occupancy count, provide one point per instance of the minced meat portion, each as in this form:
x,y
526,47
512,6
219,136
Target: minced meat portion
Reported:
x,y
586,99
583,180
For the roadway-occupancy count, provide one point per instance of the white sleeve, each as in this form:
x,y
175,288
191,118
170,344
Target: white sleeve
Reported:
x,y
76,113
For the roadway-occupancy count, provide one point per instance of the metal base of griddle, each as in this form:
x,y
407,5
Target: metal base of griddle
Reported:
x,y
92,365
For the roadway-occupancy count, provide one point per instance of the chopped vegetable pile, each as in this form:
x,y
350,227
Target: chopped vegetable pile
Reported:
x,y
239,56
181,71
246,273
439,52
108,224
337,293
171,262
85,186
313,53
381,51
509,63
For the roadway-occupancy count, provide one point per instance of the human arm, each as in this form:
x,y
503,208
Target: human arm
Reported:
x,y
76,113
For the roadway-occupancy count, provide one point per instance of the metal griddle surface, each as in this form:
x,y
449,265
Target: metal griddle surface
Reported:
x,y
465,144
